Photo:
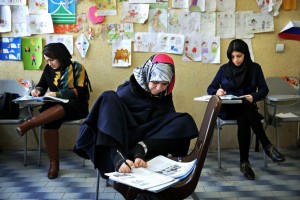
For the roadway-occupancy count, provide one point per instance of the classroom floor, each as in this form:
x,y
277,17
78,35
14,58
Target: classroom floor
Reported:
x,y
77,182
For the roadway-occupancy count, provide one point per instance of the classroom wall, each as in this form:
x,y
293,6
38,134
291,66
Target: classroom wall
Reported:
x,y
192,78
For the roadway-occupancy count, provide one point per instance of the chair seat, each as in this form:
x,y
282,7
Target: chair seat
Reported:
x,y
294,109
11,121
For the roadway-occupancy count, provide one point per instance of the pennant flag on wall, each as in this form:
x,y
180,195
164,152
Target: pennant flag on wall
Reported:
x,y
291,31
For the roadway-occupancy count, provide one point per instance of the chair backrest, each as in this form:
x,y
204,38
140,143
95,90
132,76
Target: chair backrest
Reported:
x,y
280,85
20,86
186,187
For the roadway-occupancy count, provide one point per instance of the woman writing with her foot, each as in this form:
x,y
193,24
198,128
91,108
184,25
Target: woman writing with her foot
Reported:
x,y
243,77
64,79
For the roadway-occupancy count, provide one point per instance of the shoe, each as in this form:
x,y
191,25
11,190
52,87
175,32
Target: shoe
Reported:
x,y
19,132
247,171
274,154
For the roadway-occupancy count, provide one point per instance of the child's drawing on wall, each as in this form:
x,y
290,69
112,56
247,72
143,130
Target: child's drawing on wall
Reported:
x,y
156,24
211,49
136,13
259,22
192,48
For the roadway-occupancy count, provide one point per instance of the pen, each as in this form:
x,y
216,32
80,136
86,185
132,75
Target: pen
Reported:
x,y
123,159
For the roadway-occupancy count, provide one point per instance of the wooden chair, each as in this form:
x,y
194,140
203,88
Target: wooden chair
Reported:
x,y
186,187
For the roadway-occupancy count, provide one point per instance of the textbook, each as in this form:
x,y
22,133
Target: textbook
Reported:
x,y
29,99
161,173
225,97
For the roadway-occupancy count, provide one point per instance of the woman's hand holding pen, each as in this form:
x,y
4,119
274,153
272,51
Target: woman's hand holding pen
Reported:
x,y
126,166
221,92
35,93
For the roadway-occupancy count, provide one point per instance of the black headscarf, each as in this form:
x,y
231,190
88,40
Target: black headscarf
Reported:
x,y
238,74
58,51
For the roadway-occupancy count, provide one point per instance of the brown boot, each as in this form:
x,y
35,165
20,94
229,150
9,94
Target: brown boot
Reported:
x,y
52,142
49,115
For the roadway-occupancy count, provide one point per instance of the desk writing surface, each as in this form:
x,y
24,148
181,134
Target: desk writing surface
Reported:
x,y
228,99
283,97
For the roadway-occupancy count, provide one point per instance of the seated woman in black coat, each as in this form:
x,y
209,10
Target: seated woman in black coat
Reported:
x,y
137,122
243,77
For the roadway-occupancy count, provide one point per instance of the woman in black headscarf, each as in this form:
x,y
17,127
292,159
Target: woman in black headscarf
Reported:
x,y
136,122
243,77
64,79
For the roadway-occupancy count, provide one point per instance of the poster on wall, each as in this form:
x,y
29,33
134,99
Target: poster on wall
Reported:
x,y
10,48
62,12
32,53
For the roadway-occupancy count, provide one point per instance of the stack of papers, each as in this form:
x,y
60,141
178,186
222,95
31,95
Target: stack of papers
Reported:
x,y
161,173
29,99
225,97
286,115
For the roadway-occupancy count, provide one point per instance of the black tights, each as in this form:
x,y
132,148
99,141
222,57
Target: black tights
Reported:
x,y
249,117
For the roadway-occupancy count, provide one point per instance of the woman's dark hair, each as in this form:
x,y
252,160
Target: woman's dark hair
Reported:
x,y
58,51
240,46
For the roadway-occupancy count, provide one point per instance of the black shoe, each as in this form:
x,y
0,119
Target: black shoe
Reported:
x,y
247,171
274,154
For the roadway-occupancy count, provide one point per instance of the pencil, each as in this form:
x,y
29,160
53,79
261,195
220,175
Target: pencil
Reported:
x,y
124,160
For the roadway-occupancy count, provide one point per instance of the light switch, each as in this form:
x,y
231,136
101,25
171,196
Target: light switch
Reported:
x,y
279,48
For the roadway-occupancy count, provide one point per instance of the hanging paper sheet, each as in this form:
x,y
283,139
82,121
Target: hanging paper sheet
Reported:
x,y
158,17
291,31
10,48
67,40
18,18
32,53
5,19
106,7
39,24
121,53
82,45
136,13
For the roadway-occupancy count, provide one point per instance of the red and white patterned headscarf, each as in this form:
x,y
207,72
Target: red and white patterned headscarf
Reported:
x,y
159,67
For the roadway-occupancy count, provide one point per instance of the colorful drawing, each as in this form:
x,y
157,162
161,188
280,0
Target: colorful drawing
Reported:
x,y
115,32
62,11
192,48
158,17
136,13
32,53
10,48
38,6
121,53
